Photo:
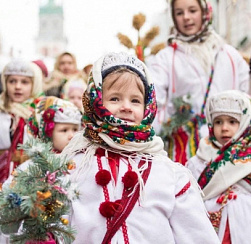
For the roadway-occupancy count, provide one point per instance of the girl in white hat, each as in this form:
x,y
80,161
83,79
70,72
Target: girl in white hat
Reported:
x,y
22,88
222,166
129,190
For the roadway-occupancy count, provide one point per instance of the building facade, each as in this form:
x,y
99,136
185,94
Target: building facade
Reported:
x,y
51,40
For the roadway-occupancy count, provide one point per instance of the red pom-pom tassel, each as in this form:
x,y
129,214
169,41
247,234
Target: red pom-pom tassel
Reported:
x,y
103,177
107,209
130,179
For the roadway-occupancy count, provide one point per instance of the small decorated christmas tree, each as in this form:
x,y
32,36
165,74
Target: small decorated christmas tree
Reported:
x,y
32,206
138,22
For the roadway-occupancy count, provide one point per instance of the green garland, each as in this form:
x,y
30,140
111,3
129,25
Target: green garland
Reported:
x,y
33,204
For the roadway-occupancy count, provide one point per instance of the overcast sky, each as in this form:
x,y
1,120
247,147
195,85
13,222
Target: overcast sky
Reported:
x,y
91,26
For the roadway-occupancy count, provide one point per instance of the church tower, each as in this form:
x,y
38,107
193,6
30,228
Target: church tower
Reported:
x,y
51,40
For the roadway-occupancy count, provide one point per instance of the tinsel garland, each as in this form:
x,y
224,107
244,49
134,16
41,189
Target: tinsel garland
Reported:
x,y
33,204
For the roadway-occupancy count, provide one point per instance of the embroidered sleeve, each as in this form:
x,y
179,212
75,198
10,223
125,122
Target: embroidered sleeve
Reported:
x,y
184,189
189,210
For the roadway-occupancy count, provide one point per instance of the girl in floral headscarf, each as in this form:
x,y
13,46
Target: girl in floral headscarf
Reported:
x,y
189,70
55,120
22,88
130,192
222,165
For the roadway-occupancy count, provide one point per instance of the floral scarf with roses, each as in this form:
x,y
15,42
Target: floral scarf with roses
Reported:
x,y
42,122
230,163
98,119
231,153
43,127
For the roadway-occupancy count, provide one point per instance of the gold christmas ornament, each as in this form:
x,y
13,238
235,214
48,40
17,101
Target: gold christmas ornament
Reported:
x,y
50,210
65,221
59,204
41,196
71,165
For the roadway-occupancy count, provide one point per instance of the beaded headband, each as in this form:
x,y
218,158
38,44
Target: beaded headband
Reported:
x,y
114,60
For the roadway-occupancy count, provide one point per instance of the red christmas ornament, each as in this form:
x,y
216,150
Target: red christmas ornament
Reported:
x,y
130,179
103,177
107,209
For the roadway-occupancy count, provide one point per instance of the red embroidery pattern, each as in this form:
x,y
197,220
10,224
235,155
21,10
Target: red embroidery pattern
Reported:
x,y
124,229
107,208
184,189
105,190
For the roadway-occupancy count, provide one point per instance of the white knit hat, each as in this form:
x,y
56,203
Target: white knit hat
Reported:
x,y
229,106
113,60
69,114
19,67
24,68
233,103
66,112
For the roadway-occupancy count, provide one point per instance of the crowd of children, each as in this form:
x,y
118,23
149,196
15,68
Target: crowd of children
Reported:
x,y
195,64
132,186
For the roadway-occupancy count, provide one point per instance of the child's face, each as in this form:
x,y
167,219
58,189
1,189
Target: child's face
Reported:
x,y
188,16
224,128
123,100
62,134
19,88
75,96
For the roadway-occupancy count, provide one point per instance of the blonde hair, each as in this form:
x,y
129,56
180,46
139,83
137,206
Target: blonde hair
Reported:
x,y
126,82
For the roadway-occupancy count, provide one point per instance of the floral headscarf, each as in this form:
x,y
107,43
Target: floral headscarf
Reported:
x,y
237,152
205,28
51,110
98,119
